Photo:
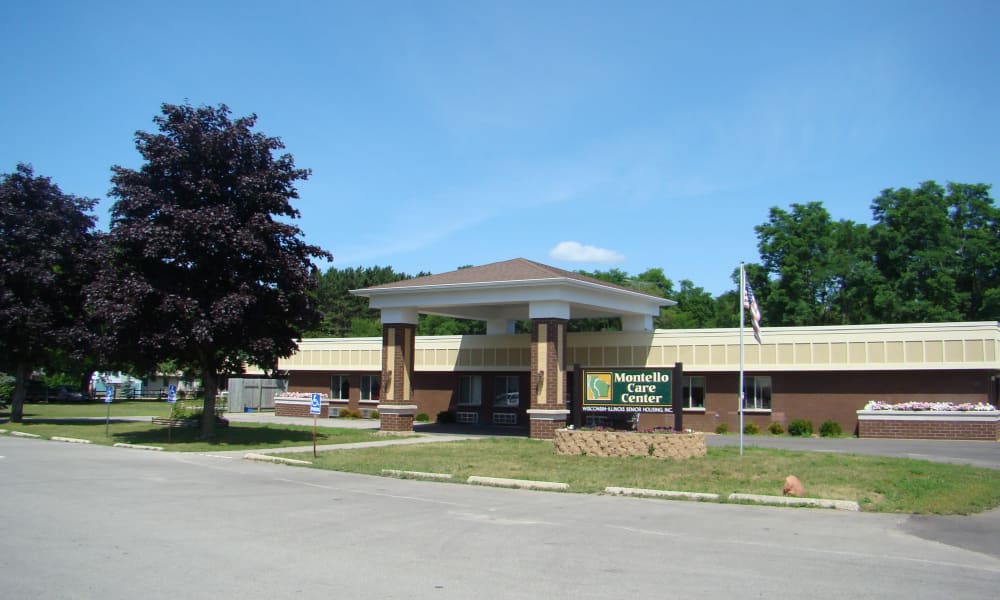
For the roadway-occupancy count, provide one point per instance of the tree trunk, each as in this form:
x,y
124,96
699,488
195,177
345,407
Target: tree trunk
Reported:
x,y
22,372
209,381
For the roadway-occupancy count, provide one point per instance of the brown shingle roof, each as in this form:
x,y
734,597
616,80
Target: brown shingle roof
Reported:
x,y
518,269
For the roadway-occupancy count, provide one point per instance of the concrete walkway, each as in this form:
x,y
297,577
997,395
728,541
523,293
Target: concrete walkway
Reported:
x,y
418,437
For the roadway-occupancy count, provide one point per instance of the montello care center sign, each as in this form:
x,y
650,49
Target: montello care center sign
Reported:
x,y
634,390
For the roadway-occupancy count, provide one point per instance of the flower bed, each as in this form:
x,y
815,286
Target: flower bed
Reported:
x,y
929,420
936,406
626,443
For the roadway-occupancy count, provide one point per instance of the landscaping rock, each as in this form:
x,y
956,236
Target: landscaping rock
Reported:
x,y
793,487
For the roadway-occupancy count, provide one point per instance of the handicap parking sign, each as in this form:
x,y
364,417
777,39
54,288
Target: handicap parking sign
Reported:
x,y
172,393
315,405
109,394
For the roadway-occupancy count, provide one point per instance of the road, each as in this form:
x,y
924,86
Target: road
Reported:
x,y
94,522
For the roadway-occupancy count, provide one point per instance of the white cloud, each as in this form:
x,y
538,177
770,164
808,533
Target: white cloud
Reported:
x,y
577,252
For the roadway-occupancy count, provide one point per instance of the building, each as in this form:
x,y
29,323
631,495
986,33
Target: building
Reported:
x,y
528,380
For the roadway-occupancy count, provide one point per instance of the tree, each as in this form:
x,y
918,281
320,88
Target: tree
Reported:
x,y
46,241
976,222
915,248
806,265
205,266
695,309
345,315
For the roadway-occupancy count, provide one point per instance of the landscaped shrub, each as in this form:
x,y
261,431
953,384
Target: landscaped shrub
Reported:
x,y
775,428
722,428
801,427
422,418
344,413
751,429
355,413
6,388
373,414
446,416
830,429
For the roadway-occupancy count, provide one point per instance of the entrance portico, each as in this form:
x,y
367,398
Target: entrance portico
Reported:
x,y
500,294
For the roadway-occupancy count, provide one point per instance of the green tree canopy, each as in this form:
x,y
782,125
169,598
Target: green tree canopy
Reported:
x,y
205,265
46,246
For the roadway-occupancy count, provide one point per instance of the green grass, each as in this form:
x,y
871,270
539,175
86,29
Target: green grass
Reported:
x,y
91,409
236,437
877,484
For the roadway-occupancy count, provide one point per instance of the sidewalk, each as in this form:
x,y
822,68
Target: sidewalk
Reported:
x,y
418,437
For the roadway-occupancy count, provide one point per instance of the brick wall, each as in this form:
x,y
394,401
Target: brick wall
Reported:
x,y
545,429
298,409
930,430
396,422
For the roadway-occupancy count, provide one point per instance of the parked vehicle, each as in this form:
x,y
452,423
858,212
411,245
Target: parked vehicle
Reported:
x,y
67,393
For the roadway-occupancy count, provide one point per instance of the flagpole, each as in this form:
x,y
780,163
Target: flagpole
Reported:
x,y
740,302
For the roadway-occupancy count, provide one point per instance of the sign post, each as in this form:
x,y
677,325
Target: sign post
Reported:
x,y
315,408
171,401
108,397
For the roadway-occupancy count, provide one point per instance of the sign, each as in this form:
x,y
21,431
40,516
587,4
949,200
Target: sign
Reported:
x,y
172,393
109,394
316,404
627,390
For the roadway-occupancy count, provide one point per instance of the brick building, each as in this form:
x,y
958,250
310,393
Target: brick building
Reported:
x,y
527,380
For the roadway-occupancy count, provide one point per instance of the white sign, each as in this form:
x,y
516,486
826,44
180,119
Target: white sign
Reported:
x,y
316,404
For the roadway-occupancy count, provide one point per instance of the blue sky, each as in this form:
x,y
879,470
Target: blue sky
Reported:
x,y
585,135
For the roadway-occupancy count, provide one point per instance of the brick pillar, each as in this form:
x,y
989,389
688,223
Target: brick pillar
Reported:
x,y
396,409
548,377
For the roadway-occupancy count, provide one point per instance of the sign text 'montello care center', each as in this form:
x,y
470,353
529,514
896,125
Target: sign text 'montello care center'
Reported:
x,y
628,389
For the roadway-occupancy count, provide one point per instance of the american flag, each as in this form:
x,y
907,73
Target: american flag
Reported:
x,y
750,301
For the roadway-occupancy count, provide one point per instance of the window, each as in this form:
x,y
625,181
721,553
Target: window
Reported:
x,y
470,390
505,418
506,391
693,392
371,388
340,389
757,392
467,418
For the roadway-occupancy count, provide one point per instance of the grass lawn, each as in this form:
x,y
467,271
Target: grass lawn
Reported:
x,y
877,484
91,409
238,436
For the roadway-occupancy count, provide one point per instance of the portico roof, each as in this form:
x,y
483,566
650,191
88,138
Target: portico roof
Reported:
x,y
514,290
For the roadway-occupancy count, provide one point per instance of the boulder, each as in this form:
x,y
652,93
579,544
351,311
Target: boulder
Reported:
x,y
793,487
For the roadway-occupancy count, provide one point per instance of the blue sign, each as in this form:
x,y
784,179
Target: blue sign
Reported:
x,y
316,404
171,393
109,395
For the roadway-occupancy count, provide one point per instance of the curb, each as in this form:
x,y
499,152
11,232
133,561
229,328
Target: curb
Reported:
x,y
786,501
518,483
620,491
417,474
274,459
69,440
24,435
138,447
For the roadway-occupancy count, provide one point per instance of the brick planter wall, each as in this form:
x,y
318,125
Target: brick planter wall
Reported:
x,y
624,443
932,425
396,423
298,408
